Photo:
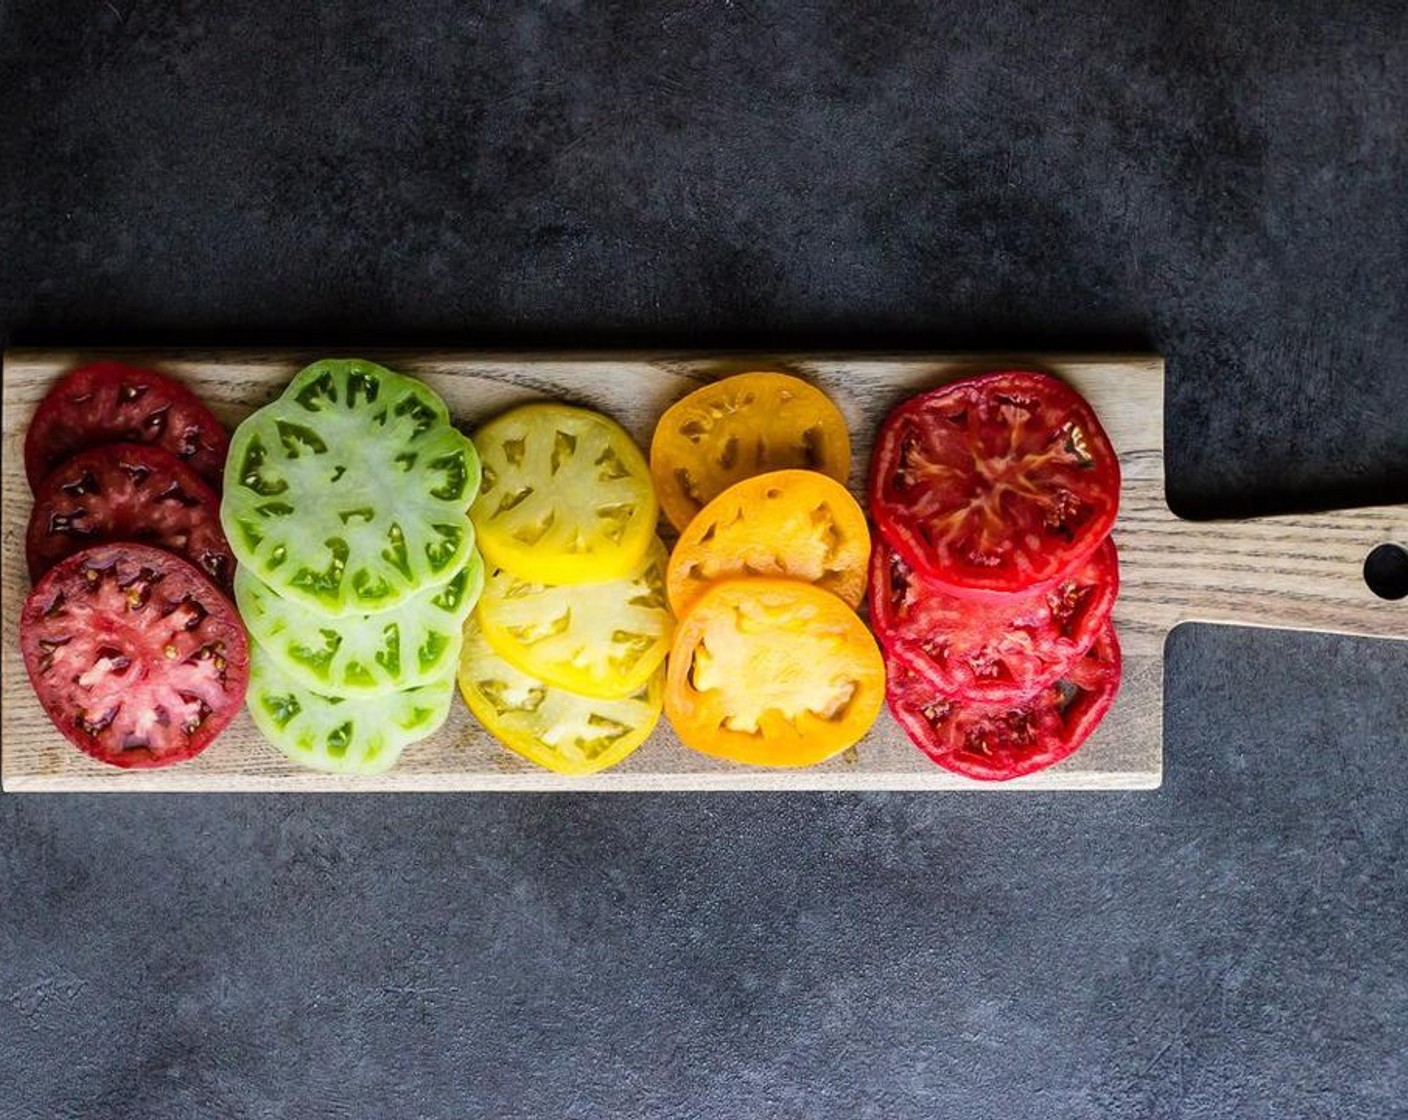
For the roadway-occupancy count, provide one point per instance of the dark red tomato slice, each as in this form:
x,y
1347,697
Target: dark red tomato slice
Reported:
x,y
108,402
997,483
138,659
996,742
127,492
997,648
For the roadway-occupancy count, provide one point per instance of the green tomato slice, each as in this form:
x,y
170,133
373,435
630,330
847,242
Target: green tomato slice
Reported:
x,y
361,654
567,495
349,493
341,735
559,730
600,639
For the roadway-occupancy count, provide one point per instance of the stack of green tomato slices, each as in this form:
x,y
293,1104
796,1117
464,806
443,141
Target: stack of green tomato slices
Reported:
x,y
346,504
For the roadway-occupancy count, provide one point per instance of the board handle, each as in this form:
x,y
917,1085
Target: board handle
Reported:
x,y
1294,572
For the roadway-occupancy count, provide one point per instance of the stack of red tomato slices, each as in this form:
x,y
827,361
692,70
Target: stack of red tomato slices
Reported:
x,y
133,647
994,576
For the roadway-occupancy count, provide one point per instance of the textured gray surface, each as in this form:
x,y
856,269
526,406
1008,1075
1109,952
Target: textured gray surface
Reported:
x,y
1227,186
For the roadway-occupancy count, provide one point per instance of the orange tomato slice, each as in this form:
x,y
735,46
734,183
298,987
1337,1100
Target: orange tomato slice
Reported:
x,y
740,427
773,673
784,524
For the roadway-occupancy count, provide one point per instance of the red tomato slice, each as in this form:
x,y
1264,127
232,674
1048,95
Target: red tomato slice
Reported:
x,y
996,648
997,483
996,742
127,492
108,402
138,659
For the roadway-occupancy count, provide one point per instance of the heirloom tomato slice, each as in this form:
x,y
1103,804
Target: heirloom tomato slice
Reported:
x,y
599,639
785,524
127,492
1007,739
108,402
772,673
342,734
997,483
138,659
555,728
349,492
361,654
996,648
566,497
741,426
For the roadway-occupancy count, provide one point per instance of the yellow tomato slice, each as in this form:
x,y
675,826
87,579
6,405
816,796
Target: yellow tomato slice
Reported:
x,y
739,427
786,524
560,730
600,639
773,673
566,496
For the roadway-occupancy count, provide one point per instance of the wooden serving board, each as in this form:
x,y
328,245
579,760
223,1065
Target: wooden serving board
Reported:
x,y
1300,572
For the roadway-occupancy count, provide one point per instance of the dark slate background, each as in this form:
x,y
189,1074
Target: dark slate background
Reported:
x,y
1226,183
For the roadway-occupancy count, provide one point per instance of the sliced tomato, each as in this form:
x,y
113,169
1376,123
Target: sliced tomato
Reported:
x,y
773,673
997,483
138,659
359,655
995,648
789,524
108,402
739,427
552,727
349,493
1003,740
348,734
127,492
566,496
600,639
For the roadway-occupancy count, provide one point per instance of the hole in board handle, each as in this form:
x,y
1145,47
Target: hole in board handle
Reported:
x,y
1386,571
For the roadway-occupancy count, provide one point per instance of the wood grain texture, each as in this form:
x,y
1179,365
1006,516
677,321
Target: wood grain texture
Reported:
x,y
1296,572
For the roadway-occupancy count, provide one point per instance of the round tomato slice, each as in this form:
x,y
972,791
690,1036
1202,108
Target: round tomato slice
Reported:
x,y
741,426
138,659
342,734
599,639
773,673
350,492
555,728
108,402
127,492
362,654
784,524
997,741
566,497
997,483
995,648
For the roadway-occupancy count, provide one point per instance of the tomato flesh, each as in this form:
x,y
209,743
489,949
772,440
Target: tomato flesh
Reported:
x,y
788,524
137,658
997,483
1008,739
742,426
552,727
127,492
996,648
772,673
566,496
108,402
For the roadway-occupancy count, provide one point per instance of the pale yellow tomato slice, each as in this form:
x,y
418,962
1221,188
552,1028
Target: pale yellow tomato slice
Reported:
x,y
555,728
600,639
566,495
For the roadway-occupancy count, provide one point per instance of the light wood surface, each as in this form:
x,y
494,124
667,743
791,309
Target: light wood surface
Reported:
x,y
1300,572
